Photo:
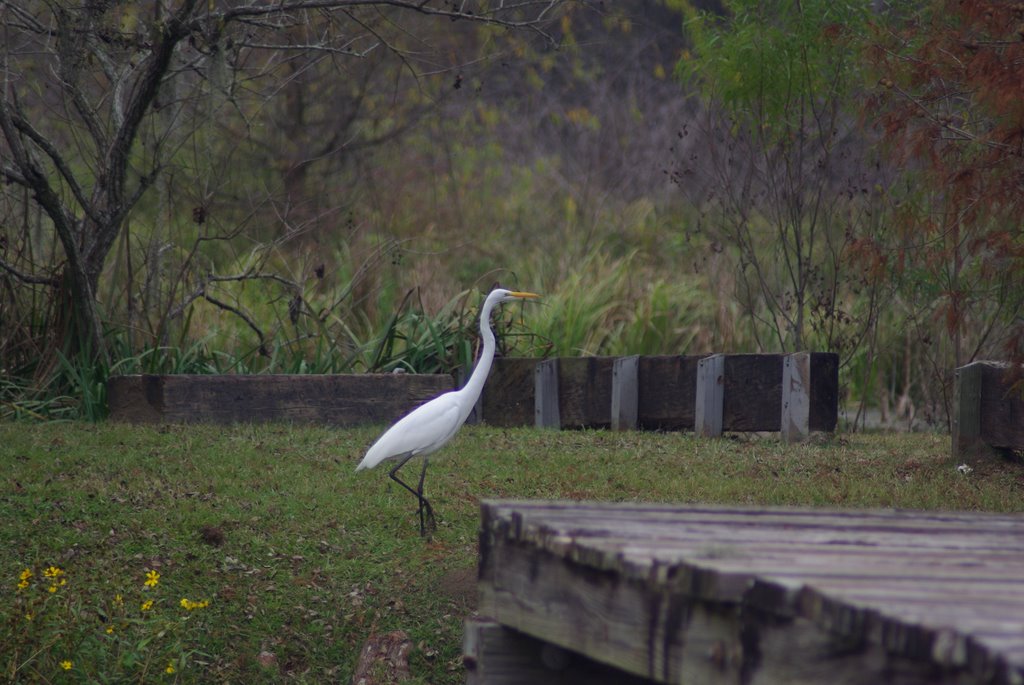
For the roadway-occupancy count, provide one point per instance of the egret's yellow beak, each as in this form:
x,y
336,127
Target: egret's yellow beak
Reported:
x,y
525,296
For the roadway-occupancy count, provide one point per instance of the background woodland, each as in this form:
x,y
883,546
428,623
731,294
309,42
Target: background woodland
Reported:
x,y
330,187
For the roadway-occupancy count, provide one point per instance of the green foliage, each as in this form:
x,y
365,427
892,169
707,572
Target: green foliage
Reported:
x,y
767,58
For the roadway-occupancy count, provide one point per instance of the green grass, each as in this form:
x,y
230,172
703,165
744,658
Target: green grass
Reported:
x,y
303,559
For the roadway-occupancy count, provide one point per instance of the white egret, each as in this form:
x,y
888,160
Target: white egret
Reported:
x,y
428,427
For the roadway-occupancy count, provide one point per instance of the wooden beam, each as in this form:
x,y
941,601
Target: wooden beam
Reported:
x,y
585,392
336,399
752,392
545,393
710,396
625,392
497,655
796,396
508,396
668,386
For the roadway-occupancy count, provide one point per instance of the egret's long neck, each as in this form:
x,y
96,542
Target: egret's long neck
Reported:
x,y
475,384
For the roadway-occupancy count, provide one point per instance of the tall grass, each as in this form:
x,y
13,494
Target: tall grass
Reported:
x,y
612,306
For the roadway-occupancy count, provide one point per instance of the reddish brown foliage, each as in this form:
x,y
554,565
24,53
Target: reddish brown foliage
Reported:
x,y
951,103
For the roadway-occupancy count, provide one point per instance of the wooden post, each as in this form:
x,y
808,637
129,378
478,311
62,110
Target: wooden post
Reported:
x,y
796,396
545,395
967,416
625,392
710,395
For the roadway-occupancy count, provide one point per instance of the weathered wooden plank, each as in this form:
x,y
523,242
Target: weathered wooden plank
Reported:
x,y
796,397
331,399
508,396
136,399
899,519
585,391
546,390
625,392
611,619
667,390
710,396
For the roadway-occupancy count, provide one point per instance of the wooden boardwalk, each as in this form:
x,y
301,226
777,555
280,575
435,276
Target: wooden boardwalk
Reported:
x,y
697,594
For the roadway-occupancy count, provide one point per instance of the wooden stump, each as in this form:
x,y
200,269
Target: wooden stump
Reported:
x,y
989,411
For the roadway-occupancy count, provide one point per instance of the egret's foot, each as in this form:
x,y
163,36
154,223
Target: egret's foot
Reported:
x,y
428,524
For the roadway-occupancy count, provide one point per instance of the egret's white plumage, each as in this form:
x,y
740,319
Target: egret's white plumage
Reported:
x,y
424,430
428,427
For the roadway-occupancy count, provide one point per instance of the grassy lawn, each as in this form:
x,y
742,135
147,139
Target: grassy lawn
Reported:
x,y
301,559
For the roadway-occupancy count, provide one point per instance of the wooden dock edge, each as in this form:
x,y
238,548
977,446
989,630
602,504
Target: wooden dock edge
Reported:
x,y
683,624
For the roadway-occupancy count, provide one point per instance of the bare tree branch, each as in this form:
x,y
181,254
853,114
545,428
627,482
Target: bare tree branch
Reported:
x,y
243,316
27,278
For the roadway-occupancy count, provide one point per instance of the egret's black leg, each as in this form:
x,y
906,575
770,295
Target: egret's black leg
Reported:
x,y
425,508
424,503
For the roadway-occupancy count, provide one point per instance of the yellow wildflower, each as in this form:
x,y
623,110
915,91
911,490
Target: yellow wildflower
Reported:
x,y
118,600
147,605
29,615
190,605
152,578
23,578
170,668
66,664
53,572
110,630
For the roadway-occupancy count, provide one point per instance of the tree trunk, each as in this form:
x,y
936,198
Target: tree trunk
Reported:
x,y
83,315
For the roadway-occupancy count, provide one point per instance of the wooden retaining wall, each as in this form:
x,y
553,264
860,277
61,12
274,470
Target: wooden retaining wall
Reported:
x,y
793,394
989,410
